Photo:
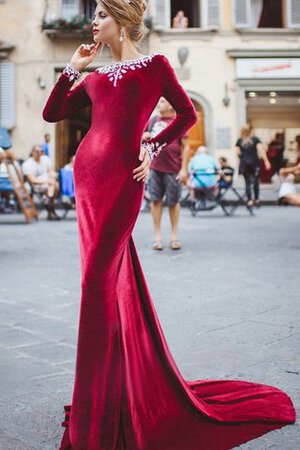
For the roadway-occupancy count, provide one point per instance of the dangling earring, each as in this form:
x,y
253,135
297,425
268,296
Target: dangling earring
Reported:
x,y
122,35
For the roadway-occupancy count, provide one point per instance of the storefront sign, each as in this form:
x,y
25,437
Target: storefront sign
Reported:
x,y
268,67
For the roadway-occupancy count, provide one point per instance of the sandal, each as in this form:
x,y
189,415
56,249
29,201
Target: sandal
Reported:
x,y
157,245
175,245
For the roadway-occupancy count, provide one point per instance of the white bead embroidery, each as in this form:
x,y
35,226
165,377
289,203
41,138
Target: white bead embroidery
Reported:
x,y
71,72
153,148
116,70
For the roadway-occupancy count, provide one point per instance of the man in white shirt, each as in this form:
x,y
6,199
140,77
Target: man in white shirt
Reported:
x,y
40,174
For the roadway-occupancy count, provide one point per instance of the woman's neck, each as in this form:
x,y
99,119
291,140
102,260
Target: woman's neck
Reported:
x,y
124,51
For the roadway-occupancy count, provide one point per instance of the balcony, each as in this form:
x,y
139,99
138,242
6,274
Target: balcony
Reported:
x,y
68,18
71,18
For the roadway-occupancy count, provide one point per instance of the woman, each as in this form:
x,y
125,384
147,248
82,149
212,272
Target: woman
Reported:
x,y
128,393
287,193
249,149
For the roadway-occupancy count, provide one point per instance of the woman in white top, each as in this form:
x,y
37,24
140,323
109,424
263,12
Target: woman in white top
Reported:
x,y
287,192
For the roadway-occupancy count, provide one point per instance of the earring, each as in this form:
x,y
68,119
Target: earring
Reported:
x,y
122,35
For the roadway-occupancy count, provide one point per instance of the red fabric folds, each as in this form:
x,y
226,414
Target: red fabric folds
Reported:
x,y
128,392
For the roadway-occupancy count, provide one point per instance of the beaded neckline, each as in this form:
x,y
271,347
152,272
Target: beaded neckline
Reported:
x,y
117,69
132,61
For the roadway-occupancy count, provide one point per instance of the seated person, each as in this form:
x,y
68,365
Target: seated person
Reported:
x,y
180,20
287,193
70,164
7,198
42,177
226,173
203,173
67,183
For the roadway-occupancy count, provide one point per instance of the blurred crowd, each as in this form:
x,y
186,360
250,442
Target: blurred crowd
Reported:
x,y
36,174
174,168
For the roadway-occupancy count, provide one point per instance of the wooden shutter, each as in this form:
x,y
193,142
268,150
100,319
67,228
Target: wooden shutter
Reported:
x,y
160,11
241,13
69,9
210,13
7,95
293,13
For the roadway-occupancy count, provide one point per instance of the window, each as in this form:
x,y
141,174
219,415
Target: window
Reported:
x,y
266,13
7,95
88,9
69,9
197,13
75,8
293,13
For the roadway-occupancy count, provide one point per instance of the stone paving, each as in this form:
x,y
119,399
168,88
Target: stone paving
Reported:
x,y
228,304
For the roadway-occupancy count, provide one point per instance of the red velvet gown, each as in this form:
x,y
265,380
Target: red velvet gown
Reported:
x,y
128,393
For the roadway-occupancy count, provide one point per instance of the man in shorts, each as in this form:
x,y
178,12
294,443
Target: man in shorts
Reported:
x,y
167,171
42,177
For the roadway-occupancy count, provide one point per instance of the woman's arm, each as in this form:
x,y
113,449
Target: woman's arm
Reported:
x,y
263,154
287,170
186,115
63,101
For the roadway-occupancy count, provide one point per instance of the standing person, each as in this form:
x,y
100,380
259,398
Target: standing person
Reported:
x,y
275,152
45,145
128,392
166,174
180,20
249,149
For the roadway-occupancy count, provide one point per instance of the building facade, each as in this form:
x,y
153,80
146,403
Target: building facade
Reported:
x,y
239,60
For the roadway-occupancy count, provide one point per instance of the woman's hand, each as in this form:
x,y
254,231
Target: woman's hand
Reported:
x,y
84,55
141,173
268,165
182,176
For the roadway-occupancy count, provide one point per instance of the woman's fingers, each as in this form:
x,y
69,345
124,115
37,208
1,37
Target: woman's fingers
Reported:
x,y
141,172
142,153
142,166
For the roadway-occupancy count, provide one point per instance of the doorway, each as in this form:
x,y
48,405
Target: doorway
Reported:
x,y
275,115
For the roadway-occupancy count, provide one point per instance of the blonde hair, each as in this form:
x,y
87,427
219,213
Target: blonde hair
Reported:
x,y
129,15
246,132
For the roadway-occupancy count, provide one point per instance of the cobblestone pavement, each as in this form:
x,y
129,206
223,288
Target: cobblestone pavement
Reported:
x,y
228,304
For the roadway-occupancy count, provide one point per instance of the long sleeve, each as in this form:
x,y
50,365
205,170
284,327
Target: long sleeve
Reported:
x,y
65,102
186,115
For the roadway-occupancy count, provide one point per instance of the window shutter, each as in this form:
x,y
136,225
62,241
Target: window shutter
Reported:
x,y
69,9
241,13
7,95
160,11
210,13
293,13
